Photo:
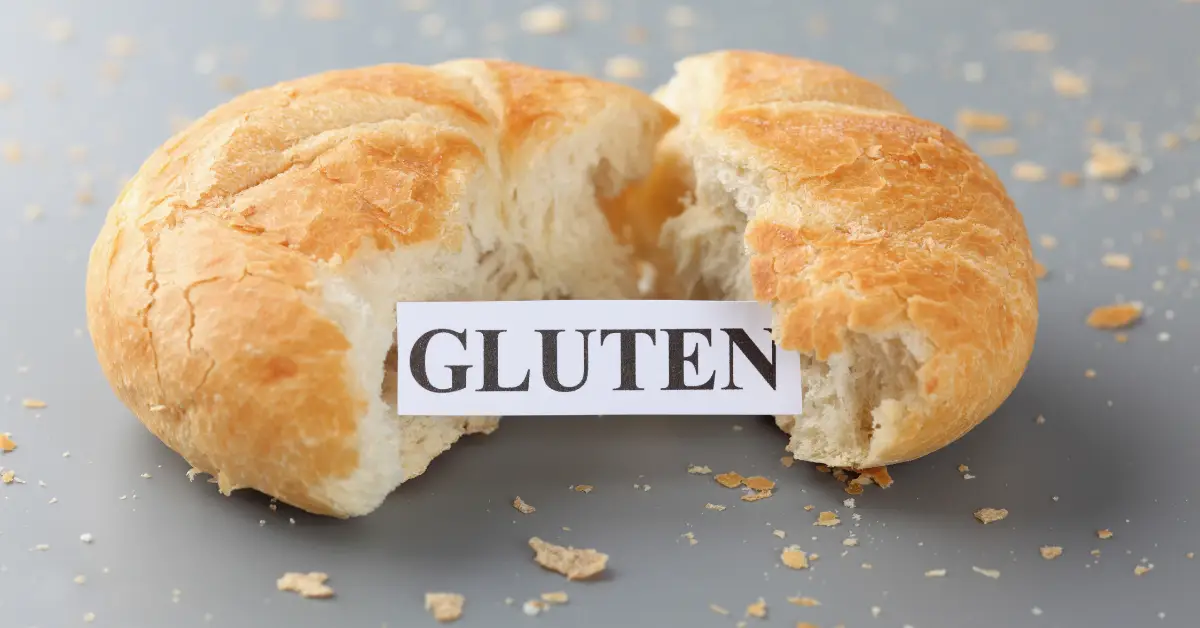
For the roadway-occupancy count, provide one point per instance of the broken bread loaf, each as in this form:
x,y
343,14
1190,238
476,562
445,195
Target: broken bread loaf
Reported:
x,y
891,255
241,292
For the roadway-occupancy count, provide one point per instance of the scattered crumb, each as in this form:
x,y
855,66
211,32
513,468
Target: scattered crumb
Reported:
x,y
309,585
991,573
1115,316
1104,534
6,443
867,566
809,507
850,542
975,120
1028,171
878,475
1090,373
322,10
8,476
1142,569
120,46
990,515
522,507
875,611
935,573
849,502
729,480
1169,141
853,488
759,483
624,67
80,579
756,495
699,470
757,609
544,20
691,537
533,607
1069,179
716,507
444,606
33,403
962,468
575,564
794,558
1095,552
1068,83
1003,146
717,609
1028,41
1183,264
1050,552
89,617
779,533
787,461
1189,555
555,597
1048,241
581,488
1119,261
86,537
1108,162
1039,271
12,151
827,519
807,602
1121,337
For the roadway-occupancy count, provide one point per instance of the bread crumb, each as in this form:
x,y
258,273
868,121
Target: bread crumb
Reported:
x,y
1028,171
1039,271
758,483
309,585
935,573
827,519
699,470
1120,261
1095,552
757,609
779,533
990,515
1183,264
756,495
1028,41
1090,373
1108,162
875,611
1104,534
729,480
522,507
1142,569
794,558
86,537
444,606
716,507
691,537
878,475
975,120
1050,552
89,617
12,151
1115,316
853,488
80,579
581,488
787,461
1048,241
575,564
1069,179
718,609
807,602
1190,555
8,476
546,19
809,507
322,10
533,607
33,403
1169,141
6,443
991,573
850,542
1003,146
624,67
1068,83
555,597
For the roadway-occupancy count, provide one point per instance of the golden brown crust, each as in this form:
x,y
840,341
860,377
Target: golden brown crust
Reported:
x,y
202,293
878,222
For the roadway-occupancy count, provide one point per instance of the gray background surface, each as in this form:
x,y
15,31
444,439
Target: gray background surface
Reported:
x,y
1118,451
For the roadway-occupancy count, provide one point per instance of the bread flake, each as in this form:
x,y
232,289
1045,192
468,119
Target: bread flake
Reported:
x,y
575,564
308,585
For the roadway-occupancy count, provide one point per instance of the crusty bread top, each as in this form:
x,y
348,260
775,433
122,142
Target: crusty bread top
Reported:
x,y
864,221
209,291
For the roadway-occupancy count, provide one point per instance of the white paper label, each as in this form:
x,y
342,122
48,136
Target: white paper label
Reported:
x,y
495,358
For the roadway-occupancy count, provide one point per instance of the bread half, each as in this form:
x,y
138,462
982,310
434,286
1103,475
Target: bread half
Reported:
x,y
891,255
241,293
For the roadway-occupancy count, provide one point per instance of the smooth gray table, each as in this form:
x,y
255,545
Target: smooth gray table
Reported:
x,y
1118,451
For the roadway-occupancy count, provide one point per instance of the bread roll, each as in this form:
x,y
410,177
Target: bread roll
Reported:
x,y
890,254
241,293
